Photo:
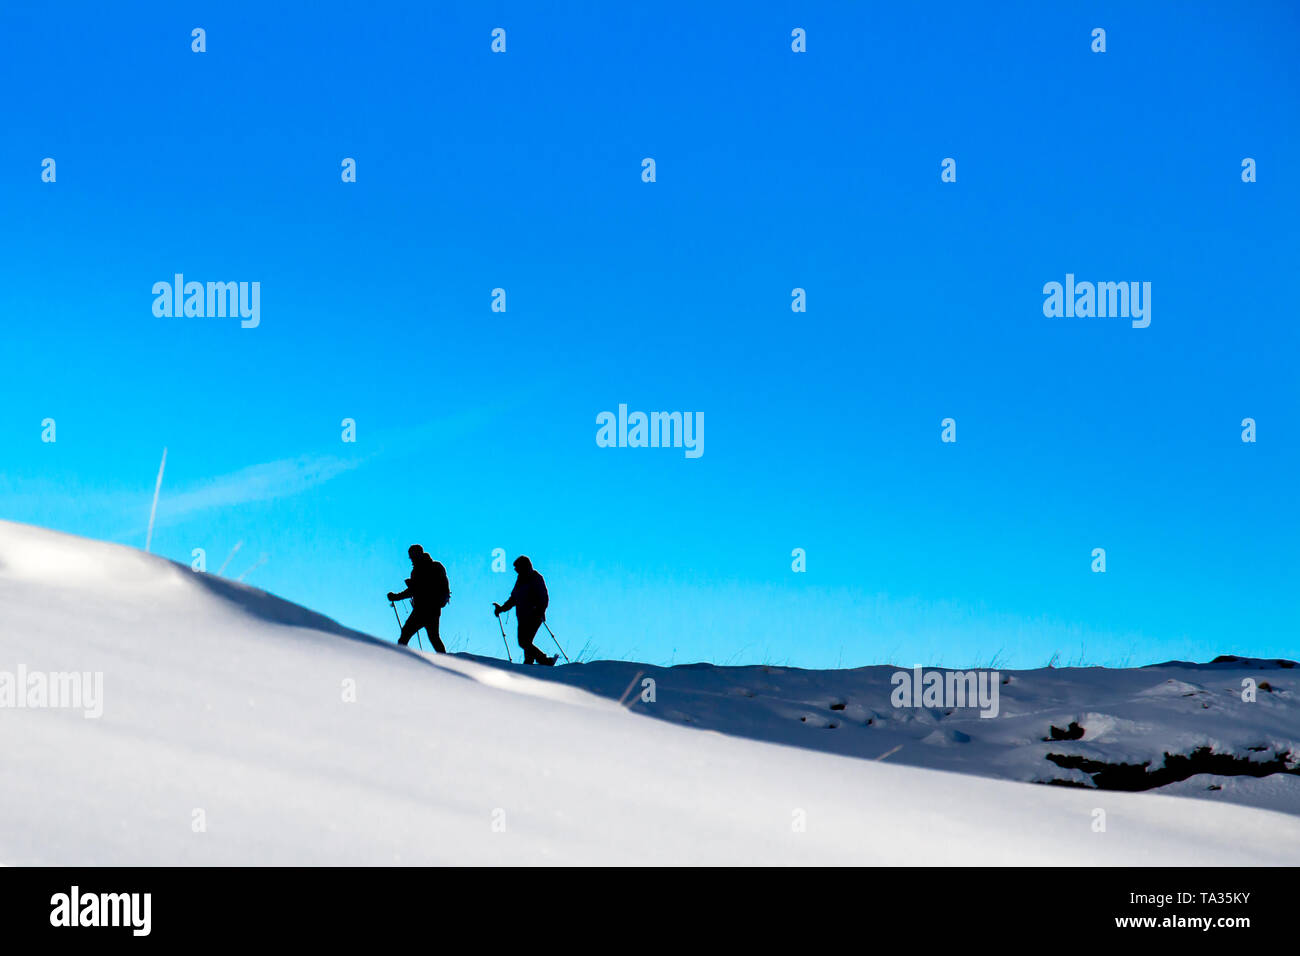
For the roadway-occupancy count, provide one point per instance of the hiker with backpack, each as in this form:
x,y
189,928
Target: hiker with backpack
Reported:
x,y
429,591
529,599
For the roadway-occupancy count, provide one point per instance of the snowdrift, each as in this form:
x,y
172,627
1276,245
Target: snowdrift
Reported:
x,y
238,728
1178,728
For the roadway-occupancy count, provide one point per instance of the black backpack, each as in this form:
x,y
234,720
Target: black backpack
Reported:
x,y
433,585
441,584
539,592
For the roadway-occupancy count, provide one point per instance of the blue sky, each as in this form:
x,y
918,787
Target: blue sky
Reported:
x,y
775,170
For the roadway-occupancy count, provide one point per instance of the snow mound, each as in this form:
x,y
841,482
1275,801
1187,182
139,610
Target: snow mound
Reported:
x,y
239,728
1048,719
35,556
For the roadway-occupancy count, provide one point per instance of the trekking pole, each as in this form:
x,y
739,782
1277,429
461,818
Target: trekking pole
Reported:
x,y
557,643
399,624
503,639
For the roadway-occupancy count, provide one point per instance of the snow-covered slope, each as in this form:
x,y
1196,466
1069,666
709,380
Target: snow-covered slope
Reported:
x,y
1121,718
227,736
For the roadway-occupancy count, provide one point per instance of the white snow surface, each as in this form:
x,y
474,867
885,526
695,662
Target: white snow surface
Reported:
x,y
225,706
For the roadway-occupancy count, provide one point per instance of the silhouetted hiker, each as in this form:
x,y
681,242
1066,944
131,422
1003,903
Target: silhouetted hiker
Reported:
x,y
429,591
529,599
